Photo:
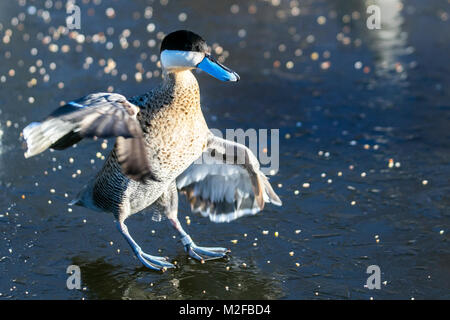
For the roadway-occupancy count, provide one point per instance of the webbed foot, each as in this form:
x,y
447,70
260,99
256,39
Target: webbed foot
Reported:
x,y
154,262
203,254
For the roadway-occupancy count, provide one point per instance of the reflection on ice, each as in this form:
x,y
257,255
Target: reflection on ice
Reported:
x,y
389,42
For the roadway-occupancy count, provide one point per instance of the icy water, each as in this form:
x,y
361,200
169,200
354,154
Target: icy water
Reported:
x,y
364,149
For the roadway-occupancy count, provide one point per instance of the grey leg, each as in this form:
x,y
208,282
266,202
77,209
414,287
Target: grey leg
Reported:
x,y
151,262
199,253
169,203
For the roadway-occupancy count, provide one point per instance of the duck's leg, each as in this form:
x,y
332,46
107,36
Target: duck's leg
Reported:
x,y
199,253
151,262
169,200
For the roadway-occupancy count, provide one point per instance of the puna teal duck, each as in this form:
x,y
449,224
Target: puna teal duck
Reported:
x,y
159,137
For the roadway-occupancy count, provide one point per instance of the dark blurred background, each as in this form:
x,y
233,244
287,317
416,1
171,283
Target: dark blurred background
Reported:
x,y
364,148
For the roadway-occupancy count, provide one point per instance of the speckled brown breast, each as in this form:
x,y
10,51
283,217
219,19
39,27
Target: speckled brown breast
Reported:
x,y
175,133
175,129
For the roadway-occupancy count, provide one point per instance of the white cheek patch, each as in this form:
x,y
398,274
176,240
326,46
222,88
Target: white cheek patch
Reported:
x,y
181,59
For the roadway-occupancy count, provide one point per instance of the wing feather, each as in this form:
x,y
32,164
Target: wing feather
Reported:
x,y
224,192
102,115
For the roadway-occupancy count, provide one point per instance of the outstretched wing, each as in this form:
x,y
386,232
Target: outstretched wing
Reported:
x,y
102,115
224,192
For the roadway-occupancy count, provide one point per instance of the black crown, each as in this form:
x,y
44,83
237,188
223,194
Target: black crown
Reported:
x,y
183,40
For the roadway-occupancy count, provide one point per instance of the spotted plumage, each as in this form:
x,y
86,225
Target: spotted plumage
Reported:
x,y
160,135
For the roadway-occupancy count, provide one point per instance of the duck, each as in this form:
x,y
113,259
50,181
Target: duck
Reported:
x,y
160,136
